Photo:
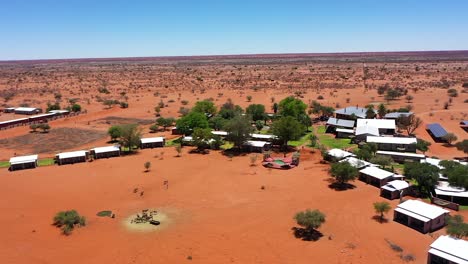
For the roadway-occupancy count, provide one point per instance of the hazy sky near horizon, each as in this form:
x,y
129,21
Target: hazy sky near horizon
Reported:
x,y
49,29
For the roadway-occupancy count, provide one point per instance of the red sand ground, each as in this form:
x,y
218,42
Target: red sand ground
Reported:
x,y
219,212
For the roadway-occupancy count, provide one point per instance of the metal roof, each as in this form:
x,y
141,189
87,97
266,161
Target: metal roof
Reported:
x,y
453,249
392,140
378,123
339,153
219,133
23,159
376,173
106,149
152,140
258,144
263,136
357,163
464,123
350,110
398,114
26,109
370,130
403,154
74,154
340,122
422,209
396,185
436,130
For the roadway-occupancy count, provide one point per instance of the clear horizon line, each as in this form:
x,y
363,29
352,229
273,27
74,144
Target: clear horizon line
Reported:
x,y
233,55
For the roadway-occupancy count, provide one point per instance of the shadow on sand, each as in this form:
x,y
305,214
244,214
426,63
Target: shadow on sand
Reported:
x,y
339,186
380,220
307,234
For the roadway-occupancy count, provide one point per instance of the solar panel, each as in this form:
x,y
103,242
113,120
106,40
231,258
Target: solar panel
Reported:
x,y
437,130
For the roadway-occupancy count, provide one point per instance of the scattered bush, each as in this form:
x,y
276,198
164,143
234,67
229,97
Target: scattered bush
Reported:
x,y
67,220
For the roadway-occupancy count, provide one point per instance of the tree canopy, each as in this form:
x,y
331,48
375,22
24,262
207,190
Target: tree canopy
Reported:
x,y
114,132
422,145
256,111
409,123
425,175
230,110
310,219
239,129
457,227
462,146
201,138
287,128
343,172
382,208
293,107
130,136
188,123
205,107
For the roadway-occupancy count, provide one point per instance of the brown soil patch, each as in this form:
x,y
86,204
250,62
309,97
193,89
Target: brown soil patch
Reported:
x,y
115,120
57,139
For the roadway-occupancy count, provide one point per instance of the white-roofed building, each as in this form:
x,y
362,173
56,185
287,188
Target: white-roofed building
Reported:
x,y
375,176
71,157
357,163
445,191
351,113
256,146
362,132
106,152
399,144
23,162
448,250
420,215
338,154
385,126
263,137
27,110
344,133
154,142
401,156
219,133
394,189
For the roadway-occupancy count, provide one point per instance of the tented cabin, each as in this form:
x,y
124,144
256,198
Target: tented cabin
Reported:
x,y
401,156
27,111
399,144
357,163
437,132
385,126
375,176
394,189
105,152
23,162
256,146
420,216
155,142
71,157
338,154
448,250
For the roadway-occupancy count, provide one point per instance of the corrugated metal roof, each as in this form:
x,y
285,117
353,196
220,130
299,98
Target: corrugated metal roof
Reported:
x,y
340,122
453,249
436,130
378,123
398,114
350,110
73,154
403,154
376,173
367,130
263,136
23,159
106,149
152,140
422,209
258,144
392,140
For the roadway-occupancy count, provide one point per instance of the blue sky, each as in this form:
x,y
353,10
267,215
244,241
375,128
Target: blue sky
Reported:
x,y
38,29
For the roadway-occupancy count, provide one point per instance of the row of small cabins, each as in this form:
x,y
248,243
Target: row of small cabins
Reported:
x,y
42,118
22,110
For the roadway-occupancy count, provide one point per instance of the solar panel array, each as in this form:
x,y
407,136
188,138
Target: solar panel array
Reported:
x,y
436,130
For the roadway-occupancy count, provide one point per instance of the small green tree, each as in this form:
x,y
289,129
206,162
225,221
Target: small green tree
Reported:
x,y
147,166
383,161
249,98
457,227
45,127
130,136
343,172
313,140
76,107
382,111
115,132
462,146
425,175
381,208
422,145
287,128
309,219
205,107
67,220
259,125
201,138
256,111
178,149
239,129
154,128
450,138
34,127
